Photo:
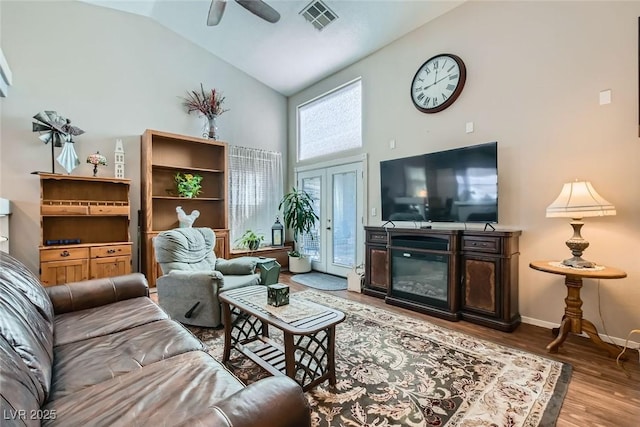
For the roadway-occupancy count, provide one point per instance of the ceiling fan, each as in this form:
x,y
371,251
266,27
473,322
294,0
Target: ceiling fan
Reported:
x,y
257,7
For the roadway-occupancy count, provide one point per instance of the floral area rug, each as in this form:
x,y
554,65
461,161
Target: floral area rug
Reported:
x,y
393,370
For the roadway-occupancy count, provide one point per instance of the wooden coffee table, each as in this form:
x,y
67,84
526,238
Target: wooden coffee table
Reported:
x,y
309,331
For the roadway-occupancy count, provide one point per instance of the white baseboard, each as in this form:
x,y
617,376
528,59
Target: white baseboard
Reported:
x,y
613,340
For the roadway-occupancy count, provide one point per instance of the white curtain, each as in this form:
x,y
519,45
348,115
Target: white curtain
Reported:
x,y
255,190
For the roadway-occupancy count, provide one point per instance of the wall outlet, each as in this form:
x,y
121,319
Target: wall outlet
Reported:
x,y
392,144
605,97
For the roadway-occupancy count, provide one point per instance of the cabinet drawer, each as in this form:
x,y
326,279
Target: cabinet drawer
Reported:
x,y
481,244
107,251
109,210
63,210
63,254
376,237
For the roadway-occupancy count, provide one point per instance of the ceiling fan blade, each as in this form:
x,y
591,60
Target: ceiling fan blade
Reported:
x,y
215,12
261,9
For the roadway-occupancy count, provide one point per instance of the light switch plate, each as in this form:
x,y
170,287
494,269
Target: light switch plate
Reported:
x,y
469,127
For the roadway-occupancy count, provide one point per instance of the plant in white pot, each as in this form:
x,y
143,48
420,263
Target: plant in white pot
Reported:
x,y
250,240
298,214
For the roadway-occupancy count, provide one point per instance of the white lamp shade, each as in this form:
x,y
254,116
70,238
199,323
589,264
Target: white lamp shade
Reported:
x,y
579,199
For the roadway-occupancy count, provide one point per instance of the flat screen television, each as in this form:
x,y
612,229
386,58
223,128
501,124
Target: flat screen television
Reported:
x,y
459,185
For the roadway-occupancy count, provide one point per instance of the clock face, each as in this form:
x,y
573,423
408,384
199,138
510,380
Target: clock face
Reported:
x,y
438,83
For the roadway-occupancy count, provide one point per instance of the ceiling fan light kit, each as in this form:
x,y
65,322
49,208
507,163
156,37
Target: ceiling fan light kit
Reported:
x,y
257,7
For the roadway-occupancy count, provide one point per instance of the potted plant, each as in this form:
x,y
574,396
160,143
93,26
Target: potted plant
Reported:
x,y
250,240
189,185
298,215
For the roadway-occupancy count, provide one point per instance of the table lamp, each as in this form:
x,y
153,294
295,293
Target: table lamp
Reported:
x,y
577,200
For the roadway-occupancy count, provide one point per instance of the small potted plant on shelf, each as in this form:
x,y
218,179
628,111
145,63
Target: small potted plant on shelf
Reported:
x,y
189,184
250,240
299,215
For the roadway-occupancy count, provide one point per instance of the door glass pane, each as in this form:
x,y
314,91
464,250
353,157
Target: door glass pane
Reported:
x,y
310,242
344,226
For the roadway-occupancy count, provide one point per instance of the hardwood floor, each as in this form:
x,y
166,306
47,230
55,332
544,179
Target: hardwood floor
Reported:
x,y
600,394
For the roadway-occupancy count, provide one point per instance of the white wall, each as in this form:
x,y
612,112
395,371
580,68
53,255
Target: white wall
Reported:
x,y
535,70
114,75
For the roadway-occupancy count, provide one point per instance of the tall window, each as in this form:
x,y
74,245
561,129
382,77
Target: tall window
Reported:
x,y
331,123
255,189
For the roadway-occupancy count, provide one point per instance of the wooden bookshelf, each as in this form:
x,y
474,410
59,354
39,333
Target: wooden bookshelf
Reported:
x,y
163,155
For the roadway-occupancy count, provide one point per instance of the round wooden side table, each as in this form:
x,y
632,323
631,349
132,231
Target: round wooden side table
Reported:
x,y
572,320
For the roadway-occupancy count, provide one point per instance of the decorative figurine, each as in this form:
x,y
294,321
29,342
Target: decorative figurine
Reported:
x,y
59,131
278,295
118,161
186,221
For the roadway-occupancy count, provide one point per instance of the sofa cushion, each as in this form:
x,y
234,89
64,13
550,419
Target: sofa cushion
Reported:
x,y
106,319
25,319
88,362
233,282
172,389
237,266
19,388
20,277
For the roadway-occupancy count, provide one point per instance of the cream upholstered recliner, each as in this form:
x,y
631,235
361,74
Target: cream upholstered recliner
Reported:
x,y
193,276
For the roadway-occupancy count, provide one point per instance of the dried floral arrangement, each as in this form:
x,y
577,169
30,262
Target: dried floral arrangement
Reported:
x,y
207,103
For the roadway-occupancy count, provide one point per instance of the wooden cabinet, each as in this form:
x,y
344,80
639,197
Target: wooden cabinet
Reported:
x,y
162,156
482,268
489,278
279,253
84,227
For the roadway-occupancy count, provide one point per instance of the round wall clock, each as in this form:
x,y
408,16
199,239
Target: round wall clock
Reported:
x,y
438,83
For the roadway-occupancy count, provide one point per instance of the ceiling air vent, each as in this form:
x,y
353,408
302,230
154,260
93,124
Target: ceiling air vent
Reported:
x,y
318,14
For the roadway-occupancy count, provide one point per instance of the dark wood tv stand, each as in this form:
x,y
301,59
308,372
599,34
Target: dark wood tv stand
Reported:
x,y
482,281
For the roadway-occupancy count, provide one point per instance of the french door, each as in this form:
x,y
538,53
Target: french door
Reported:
x,y
336,244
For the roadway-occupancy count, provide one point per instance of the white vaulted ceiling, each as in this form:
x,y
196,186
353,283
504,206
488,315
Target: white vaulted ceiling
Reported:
x,y
291,54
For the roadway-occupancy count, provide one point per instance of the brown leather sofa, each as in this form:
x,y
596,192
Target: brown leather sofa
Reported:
x,y
101,353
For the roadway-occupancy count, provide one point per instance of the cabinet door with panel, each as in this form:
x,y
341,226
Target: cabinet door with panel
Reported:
x,y
57,272
481,285
110,266
221,248
489,279
376,275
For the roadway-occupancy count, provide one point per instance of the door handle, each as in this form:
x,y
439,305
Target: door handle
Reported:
x,y
328,228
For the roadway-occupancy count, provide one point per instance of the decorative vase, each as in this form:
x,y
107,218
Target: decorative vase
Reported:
x,y
210,128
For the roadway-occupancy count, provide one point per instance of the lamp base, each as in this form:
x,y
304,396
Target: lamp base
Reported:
x,y
578,262
577,245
